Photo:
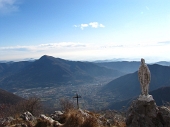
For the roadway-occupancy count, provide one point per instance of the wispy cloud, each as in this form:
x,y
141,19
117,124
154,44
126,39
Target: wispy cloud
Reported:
x,y
96,25
88,51
91,24
101,25
164,42
44,47
8,6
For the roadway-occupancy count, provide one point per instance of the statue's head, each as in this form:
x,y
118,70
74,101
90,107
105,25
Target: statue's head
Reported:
x,y
142,61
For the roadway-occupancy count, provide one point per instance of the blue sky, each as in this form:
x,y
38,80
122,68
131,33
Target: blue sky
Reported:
x,y
85,29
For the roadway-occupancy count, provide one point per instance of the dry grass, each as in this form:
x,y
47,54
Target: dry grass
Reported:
x,y
116,119
71,118
90,122
43,123
75,118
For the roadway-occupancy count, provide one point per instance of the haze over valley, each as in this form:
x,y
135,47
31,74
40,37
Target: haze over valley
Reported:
x,y
99,84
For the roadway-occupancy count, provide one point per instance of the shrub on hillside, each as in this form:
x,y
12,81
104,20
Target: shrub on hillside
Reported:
x,y
32,104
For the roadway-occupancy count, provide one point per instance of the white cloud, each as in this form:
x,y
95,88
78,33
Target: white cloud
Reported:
x,y
91,24
94,24
83,26
7,6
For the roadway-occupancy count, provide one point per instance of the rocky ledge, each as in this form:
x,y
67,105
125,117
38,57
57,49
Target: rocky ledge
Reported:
x,y
145,113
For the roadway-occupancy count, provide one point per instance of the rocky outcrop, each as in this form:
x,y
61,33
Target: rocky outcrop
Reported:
x,y
6,121
144,113
28,120
50,120
164,114
27,116
57,115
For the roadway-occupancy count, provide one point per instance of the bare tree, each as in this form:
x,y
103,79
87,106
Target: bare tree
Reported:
x,y
66,104
32,104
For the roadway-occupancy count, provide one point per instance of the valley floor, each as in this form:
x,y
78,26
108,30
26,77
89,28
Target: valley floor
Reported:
x,y
91,98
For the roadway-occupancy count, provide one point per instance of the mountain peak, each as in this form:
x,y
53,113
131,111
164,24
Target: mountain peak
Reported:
x,y
50,58
46,57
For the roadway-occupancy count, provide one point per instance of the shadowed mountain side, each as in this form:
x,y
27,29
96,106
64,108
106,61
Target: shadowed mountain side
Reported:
x,y
8,98
123,66
50,71
120,105
7,69
160,95
128,85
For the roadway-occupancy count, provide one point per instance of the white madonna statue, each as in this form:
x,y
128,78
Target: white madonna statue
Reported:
x,y
144,76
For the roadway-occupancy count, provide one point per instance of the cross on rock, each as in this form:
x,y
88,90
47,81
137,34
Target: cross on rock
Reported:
x,y
77,96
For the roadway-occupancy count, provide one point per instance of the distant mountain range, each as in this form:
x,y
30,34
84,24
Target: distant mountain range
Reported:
x,y
50,71
8,98
111,60
10,68
164,63
123,66
127,66
128,86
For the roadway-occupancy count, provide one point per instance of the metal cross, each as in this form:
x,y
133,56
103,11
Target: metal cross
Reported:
x,y
77,96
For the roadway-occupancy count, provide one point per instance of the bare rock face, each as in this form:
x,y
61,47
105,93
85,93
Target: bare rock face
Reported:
x,y
147,114
164,114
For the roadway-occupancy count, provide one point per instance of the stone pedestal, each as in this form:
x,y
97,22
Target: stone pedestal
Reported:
x,y
144,112
147,98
